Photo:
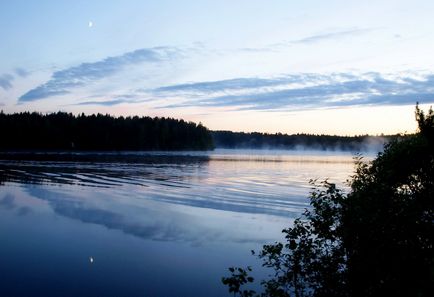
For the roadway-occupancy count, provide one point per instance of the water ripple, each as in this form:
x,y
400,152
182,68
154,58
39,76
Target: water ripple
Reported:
x,y
273,184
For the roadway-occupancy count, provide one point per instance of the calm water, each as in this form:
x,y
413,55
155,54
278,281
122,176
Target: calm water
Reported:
x,y
155,224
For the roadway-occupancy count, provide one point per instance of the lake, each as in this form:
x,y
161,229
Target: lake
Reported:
x,y
148,224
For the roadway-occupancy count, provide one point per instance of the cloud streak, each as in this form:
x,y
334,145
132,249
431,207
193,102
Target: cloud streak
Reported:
x,y
105,102
304,91
21,72
63,81
231,84
330,36
312,39
6,81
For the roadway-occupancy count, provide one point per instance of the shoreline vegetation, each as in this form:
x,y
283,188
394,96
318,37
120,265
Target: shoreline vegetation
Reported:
x,y
375,240
300,141
65,132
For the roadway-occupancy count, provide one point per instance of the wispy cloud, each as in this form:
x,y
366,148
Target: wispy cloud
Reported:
x,y
135,96
21,72
6,81
304,91
229,84
110,102
331,35
63,81
311,39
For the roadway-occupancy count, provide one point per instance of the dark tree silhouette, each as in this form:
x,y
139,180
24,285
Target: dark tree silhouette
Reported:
x,y
64,131
255,140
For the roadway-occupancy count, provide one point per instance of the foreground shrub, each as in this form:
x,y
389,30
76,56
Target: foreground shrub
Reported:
x,y
377,240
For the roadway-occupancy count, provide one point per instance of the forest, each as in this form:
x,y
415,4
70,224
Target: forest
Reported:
x,y
255,140
67,132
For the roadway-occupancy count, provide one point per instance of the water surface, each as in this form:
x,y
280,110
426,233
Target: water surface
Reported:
x,y
155,224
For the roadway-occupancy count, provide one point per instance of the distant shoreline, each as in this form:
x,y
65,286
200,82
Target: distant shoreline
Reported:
x,y
255,140
65,132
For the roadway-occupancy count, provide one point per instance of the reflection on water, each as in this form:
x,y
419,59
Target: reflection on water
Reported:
x,y
264,183
170,222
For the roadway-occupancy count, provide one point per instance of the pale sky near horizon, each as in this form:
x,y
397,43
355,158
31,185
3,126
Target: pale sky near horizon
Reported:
x,y
332,67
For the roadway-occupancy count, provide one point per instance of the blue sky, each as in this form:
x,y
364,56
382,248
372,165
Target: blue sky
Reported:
x,y
340,67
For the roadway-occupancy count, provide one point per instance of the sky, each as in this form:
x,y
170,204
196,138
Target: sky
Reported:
x,y
323,67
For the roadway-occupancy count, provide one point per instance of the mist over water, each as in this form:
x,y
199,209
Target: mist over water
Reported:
x,y
369,146
300,142
148,219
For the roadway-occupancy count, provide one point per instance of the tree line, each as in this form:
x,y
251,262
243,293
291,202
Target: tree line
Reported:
x,y
256,140
65,131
